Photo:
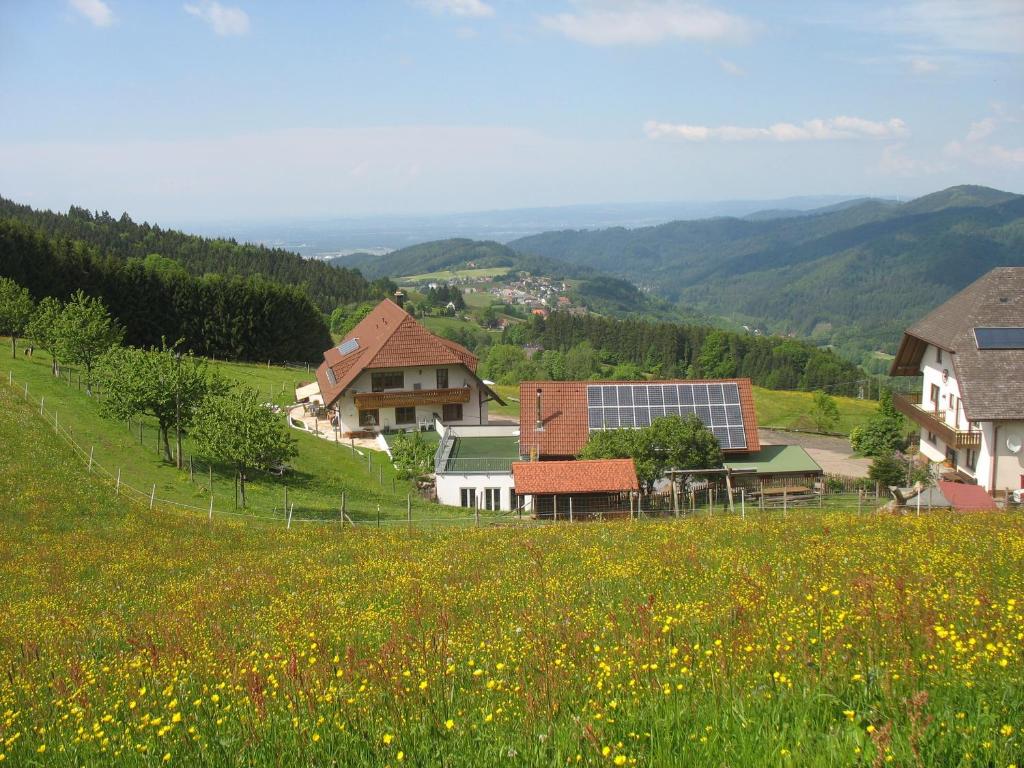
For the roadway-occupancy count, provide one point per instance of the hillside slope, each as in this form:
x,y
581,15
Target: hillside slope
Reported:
x,y
853,276
123,238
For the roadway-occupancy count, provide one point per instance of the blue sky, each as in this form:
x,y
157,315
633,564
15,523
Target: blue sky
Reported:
x,y
204,110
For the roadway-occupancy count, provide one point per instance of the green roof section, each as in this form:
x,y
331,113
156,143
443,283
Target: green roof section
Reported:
x,y
775,459
482,454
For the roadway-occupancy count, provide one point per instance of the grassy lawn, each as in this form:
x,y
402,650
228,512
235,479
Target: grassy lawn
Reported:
x,y
791,410
510,394
318,476
142,639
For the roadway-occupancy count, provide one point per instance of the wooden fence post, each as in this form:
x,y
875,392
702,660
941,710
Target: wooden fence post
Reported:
x,y
743,503
785,501
408,511
211,508
152,497
570,509
290,510
91,449
378,515
117,487
41,401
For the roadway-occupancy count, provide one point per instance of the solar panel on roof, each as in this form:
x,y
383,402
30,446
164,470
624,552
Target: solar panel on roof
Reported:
x,y
348,346
999,338
716,404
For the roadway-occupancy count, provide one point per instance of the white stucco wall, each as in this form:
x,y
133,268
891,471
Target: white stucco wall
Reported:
x,y
449,487
1009,467
473,412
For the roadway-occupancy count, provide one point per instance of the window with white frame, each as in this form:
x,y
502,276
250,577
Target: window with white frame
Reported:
x,y
467,497
492,498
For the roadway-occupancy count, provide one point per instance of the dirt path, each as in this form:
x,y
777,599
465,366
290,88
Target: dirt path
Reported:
x,y
833,454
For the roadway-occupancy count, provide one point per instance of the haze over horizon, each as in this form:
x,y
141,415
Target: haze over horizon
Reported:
x,y
249,111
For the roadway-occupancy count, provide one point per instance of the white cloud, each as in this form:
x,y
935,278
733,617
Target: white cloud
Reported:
x,y
465,8
981,129
977,149
994,26
731,68
96,11
841,127
896,162
225,20
647,22
920,65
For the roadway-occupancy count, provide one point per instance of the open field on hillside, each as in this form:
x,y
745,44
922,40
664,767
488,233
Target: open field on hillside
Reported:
x,y
791,410
451,274
142,639
317,477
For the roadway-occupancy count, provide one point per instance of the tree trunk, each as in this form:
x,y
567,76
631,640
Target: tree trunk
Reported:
x,y
241,484
167,445
14,346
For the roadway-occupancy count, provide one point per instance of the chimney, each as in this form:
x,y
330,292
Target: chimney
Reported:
x,y
400,298
540,421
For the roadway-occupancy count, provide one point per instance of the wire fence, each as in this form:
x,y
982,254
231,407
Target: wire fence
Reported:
x,y
706,501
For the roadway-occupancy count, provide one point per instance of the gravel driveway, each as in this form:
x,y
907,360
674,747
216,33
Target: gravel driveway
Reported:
x,y
833,454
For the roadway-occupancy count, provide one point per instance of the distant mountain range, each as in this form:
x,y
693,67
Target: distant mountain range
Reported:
x,y
853,274
324,238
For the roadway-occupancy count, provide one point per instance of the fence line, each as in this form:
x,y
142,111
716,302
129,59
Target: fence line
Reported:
x,y
656,506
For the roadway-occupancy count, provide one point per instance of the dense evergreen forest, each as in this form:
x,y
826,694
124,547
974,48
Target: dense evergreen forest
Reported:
x,y
852,276
688,351
225,316
124,239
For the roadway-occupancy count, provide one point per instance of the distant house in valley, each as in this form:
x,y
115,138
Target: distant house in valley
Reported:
x,y
970,354
391,373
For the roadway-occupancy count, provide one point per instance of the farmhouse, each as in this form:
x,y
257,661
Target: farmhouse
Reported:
x,y
391,373
557,417
534,466
575,489
970,355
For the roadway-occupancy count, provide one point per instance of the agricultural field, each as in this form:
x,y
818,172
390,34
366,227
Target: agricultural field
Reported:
x,y
315,482
138,638
452,274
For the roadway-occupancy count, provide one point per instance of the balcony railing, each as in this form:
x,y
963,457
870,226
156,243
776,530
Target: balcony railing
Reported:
x,y
401,398
935,422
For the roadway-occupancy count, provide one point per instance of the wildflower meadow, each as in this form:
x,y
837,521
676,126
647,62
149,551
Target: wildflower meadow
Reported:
x,y
139,638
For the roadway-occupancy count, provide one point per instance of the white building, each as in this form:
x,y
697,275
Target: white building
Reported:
x,y
970,355
391,373
473,466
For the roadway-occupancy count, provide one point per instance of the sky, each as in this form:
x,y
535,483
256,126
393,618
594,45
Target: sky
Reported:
x,y
241,109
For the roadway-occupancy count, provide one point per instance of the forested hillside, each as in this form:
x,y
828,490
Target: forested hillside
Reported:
x,y
598,291
853,276
692,351
123,239
224,316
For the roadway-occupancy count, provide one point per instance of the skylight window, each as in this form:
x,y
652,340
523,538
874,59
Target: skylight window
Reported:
x,y
349,346
999,338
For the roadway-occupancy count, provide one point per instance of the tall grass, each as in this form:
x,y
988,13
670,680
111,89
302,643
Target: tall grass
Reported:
x,y
142,639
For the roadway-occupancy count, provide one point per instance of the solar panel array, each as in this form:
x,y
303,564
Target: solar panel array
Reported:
x,y
717,405
999,338
348,346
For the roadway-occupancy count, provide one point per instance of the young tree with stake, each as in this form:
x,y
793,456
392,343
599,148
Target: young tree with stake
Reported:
x,y
237,429
43,328
84,332
15,311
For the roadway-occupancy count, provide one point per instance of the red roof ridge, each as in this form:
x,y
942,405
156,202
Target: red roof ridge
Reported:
x,y
583,476
388,337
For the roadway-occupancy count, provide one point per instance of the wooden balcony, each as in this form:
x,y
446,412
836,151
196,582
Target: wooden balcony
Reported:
x,y
402,398
935,422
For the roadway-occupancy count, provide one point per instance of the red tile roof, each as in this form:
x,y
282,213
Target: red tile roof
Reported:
x,y
564,414
973,498
388,337
592,476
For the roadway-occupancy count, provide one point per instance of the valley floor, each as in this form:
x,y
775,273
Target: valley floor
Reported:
x,y
138,638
